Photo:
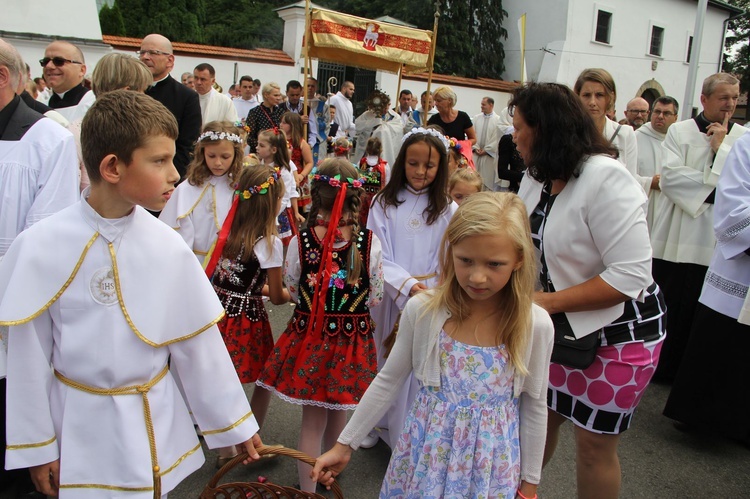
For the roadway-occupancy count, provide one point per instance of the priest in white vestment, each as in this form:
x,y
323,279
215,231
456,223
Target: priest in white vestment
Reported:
x,y
650,153
214,105
682,233
487,128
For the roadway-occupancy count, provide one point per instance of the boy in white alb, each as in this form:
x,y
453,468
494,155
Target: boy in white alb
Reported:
x,y
98,298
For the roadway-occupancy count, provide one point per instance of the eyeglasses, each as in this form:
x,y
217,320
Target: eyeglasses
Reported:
x,y
636,111
666,114
57,61
141,53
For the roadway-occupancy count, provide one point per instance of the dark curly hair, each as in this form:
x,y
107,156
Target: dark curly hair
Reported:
x,y
564,133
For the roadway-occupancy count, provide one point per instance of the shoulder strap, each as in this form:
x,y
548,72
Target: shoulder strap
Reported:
x,y
611,139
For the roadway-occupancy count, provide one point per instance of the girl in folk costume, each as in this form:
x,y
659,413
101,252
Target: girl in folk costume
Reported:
x,y
341,148
409,216
273,150
481,350
301,156
374,172
245,265
199,206
333,271
463,183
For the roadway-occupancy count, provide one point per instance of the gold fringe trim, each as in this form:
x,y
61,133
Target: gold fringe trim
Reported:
x,y
230,427
140,336
59,293
181,459
30,446
196,203
105,487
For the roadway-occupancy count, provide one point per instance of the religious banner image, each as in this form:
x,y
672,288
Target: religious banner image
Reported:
x,y
368,43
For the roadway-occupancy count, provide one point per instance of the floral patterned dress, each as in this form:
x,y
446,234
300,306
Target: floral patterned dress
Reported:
x,y
334,369
461,439
245,327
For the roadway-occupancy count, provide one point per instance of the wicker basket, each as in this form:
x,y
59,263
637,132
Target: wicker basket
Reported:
x,y
256,490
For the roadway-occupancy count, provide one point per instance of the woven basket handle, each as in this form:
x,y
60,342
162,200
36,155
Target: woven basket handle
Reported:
x,y
271,449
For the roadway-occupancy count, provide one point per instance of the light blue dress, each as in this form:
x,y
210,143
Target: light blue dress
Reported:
x,y
460,440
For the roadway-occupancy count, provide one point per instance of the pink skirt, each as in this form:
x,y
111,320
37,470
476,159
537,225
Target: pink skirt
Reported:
x,y
603,397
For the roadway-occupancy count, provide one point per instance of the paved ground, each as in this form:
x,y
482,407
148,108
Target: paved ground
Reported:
x,y
658,461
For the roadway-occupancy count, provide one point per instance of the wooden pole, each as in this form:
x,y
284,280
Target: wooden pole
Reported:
x,y
307,68
431,63
398,90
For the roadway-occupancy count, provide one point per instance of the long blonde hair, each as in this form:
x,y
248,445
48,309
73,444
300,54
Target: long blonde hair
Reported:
x,y
491,213
197,171
255,217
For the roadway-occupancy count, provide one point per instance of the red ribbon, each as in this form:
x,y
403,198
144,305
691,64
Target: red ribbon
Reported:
x,y
222,240
323,280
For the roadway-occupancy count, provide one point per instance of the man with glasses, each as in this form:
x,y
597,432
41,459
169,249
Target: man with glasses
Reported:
x,y
63,67
156,53
636,112
682,235
650,152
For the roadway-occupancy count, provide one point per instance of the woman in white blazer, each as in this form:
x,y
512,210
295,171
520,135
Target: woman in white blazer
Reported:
x,y
596,89
589,226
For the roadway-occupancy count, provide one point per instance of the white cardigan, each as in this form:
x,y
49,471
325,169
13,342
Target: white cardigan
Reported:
x,y
417,348
597,226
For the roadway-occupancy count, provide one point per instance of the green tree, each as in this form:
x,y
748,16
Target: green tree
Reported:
x,y
738,35
111,20
133,15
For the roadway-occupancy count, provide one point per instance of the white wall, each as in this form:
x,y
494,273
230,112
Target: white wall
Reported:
x,y
626,57
73,18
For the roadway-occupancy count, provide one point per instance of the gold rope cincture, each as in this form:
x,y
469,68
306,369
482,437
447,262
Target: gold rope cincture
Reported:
x,y
141,390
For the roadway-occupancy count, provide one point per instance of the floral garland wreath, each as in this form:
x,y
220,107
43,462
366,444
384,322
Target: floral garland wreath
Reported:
x,y
258,189
336,181
428,131
212,136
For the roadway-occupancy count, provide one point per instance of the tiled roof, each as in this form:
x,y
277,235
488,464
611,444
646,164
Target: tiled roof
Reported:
x,y
271,56
484,83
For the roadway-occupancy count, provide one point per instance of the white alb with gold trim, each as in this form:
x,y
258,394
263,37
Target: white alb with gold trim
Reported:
x,y
56,294
197,212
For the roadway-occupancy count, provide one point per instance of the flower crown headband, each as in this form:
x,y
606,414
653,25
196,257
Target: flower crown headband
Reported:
x,y
258,189
211,135
428,131
336,181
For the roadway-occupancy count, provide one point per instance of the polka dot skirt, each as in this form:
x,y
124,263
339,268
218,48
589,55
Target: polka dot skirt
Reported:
x,y
603,397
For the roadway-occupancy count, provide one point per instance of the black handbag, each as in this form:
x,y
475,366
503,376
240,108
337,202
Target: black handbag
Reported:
x,y
566,349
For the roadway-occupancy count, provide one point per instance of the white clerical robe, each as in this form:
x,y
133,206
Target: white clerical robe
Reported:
x,y
726,286
682,229
77,112
100,305
344,115
197,213
410,255
650,161
487,128
217,107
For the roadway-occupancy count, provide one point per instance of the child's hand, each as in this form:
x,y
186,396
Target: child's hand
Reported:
x,y
265,291
249,447
299,218
298,178
335,460
46,478
417,288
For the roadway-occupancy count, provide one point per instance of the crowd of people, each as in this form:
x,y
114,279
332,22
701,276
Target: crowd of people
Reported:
x,y
466,285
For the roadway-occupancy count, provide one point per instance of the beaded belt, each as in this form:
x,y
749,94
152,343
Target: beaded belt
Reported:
x,y
141,390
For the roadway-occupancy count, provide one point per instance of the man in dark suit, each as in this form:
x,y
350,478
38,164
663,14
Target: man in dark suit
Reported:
x,y
156,53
